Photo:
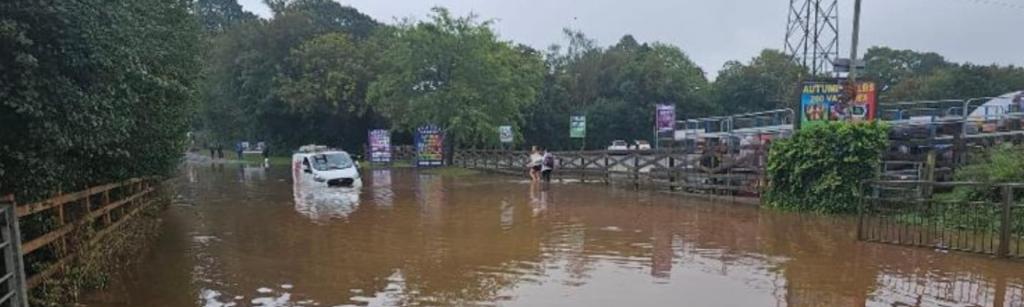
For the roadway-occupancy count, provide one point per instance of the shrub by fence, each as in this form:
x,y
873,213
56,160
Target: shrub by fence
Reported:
x,y
821,168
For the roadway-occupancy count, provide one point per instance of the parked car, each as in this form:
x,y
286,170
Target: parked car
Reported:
x,y
619,145
642,145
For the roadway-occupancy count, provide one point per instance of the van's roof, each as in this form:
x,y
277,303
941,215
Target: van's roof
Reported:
x,y
317,149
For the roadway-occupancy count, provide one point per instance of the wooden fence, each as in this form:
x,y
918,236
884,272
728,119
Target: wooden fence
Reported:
x,y
708,172
75,222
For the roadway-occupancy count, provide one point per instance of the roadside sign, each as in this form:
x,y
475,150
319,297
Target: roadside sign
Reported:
x,y
665,120
380,146
823,102
429,146
505,134
578,126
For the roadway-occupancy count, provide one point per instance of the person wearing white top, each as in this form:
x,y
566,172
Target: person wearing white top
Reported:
x,y
536,160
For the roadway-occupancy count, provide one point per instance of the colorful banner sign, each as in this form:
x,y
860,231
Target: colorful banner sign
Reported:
x,y
505,134
578,126
429,146
865,103
822,102
380,146
666,120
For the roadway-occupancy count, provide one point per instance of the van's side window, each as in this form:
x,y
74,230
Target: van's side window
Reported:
x,y
305,163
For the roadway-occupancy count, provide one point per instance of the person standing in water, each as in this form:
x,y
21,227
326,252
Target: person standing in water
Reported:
x,y
547,165
536,161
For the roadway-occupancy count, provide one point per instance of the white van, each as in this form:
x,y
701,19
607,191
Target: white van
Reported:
x,y
325,166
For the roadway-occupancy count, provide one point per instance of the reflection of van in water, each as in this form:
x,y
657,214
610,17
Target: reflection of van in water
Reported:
x,y
325,166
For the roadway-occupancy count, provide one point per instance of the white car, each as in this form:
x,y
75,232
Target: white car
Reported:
x,y
619,145
323,166
642,145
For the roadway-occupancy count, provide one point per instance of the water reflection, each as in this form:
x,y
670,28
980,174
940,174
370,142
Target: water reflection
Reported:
x,y
321,203
380,181
413,238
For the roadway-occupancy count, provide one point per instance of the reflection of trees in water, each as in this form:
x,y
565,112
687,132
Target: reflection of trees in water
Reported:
x,y
699,237
825,264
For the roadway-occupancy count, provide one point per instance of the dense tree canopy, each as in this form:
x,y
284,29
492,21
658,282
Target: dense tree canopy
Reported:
x,y
617,88
276,80
906,75
90,95
455,73
770,81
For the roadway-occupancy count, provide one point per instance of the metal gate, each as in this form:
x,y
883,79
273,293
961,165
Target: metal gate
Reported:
x,y
961,216
12,272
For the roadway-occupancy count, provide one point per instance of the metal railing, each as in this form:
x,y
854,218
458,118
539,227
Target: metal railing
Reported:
x,y
972,217
12,282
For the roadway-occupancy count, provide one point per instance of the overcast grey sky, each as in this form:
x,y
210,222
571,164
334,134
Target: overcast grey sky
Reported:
x,y
715,31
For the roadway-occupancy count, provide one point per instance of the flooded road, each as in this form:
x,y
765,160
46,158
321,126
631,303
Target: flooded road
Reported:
x,y
241,237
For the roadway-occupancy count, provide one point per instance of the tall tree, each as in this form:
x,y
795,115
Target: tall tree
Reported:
x,y
216,16
248,65
769,81
617,88
455,73
890,67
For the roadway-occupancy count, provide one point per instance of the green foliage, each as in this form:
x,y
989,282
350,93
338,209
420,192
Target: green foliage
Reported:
x,y
90,95
1000,164
617,88
454,72
907,75
216,16
291,80
821,168
770,81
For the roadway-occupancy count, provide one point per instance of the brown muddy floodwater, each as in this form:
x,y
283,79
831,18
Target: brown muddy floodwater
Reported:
x,y
240,236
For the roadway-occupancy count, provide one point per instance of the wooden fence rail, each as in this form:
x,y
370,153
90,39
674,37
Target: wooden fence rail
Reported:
x,y
712,172
101,209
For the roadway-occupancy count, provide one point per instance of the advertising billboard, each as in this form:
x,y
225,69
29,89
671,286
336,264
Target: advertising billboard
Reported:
x,y
665,120
380,146
429,146
823,102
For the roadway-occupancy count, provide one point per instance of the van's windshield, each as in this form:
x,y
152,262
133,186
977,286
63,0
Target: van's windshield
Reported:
x,y
332,161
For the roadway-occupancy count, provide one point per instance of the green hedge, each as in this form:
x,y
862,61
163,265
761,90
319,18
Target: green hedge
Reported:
x,y
93,91
820,168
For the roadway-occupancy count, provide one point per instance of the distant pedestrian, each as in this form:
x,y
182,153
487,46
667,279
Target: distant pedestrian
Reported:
x,y
220,151
239,149
213,151
536,162
266,155
547,165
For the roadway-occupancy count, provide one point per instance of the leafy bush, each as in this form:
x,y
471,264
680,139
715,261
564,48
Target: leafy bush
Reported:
x,y
821,168
1000,164
93,91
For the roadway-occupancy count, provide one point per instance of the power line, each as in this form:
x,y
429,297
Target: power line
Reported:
x,y
1018,6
